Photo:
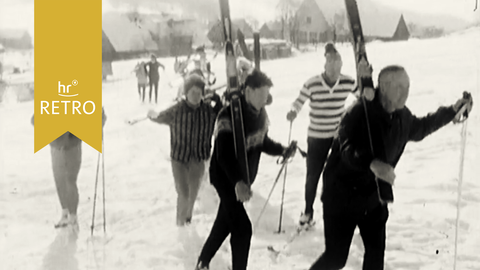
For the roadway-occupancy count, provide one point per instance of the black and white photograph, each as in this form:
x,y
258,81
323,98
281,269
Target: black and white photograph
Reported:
x,y
253,134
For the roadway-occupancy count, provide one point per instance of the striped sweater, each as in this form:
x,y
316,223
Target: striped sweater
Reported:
x,y
191,129
327,104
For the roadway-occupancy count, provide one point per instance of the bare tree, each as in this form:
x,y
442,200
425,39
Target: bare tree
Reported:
x,y
286,10
253,22
338,26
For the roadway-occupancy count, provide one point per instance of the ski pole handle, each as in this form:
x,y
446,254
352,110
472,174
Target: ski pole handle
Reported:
x,y
289,152
462,114
135,121
303,153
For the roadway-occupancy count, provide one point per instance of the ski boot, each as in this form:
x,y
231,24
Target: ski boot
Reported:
x,y
306,220
63,222
200,266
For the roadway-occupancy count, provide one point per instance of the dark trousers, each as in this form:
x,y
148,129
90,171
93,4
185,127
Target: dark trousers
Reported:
x,y
153,83
316,156
339,228
231,219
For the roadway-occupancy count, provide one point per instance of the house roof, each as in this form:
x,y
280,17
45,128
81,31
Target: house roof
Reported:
x,y
125,36
377,20
8,33
274,25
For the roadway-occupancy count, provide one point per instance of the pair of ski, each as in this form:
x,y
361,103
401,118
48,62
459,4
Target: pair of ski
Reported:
x,y
233,88
298,231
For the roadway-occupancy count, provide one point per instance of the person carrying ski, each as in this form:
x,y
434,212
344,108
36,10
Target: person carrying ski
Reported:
x,y
350,190
327,93
191,122
226,174
142,79
153,75
66,152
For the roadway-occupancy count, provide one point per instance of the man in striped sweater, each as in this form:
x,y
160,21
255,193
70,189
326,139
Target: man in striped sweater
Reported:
x,y
327,93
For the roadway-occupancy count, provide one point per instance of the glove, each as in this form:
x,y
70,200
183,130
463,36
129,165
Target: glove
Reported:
x,y
152,114
383,171
364,69
466,99
291,115
289,152
369,93
243,191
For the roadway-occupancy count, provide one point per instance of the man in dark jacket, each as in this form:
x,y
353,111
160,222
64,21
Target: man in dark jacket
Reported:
x,y
350,190
226,174
153,75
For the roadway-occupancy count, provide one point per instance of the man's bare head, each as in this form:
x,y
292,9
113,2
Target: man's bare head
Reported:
x,y
394,84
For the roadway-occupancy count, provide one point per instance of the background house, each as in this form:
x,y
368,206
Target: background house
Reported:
x,y
216,36
312,25
16,39
325,20
122,39
132,34
274,30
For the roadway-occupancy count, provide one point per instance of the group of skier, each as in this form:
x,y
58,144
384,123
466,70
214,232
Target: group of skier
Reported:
x,y
358,150
147,74
350,195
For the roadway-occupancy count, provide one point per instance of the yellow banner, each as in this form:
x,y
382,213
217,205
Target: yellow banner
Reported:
x,y
68,71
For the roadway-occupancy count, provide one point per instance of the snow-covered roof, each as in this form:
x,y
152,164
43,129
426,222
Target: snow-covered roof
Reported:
x,y
377,20
12,33
125,36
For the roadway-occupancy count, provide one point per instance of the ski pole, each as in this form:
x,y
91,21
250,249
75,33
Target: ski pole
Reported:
x,y
137,120
103,183
284,182
459,189
303,153
291,149
458,119
95,195
270,194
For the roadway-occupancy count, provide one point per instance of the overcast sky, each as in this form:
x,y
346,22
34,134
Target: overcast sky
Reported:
x,y
19,13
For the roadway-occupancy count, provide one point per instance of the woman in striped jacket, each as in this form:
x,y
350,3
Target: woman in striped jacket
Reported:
x,y
327,93
191,123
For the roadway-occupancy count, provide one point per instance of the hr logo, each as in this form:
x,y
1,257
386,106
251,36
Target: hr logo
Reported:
x,y
64,91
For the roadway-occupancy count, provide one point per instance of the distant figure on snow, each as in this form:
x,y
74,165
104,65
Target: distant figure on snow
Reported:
x,y
153,75
142,79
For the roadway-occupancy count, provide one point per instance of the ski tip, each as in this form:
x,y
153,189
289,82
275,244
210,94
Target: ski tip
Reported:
x,y
271,249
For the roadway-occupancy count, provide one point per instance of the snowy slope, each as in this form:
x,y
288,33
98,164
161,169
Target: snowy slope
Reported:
x,y
140,194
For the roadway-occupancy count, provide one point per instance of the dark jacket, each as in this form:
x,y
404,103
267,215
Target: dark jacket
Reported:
x,y
225,170
153,74
191,129
347,172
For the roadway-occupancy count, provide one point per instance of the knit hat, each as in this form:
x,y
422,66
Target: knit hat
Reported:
x,y
330,48
193,80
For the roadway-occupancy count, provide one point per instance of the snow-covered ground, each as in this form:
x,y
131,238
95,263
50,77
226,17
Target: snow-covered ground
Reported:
x,y
140,193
